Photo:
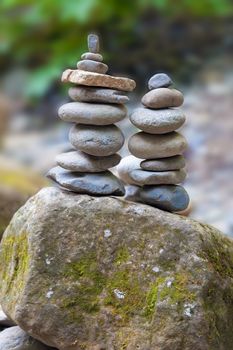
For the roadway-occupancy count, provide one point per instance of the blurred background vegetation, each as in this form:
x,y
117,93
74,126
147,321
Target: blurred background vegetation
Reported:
x,y
191,40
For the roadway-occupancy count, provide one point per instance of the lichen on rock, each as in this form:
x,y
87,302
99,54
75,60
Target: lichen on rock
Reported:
x,y
83,272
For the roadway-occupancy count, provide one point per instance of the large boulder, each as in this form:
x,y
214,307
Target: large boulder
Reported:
x,y
95,273
16,186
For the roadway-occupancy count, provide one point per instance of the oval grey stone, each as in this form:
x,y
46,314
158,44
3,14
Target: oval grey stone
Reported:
x,y
92,94
93,43
159,121
172,198
163,98
101,184
82,162
148,146
92,66
92,56
93,114
164,164
142,177
159,80
96,140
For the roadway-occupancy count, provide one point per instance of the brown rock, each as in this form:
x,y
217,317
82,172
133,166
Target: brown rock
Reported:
x,y
163,98
81,77
92,56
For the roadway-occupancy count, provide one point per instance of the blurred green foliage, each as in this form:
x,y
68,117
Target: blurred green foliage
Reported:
x,y
47,35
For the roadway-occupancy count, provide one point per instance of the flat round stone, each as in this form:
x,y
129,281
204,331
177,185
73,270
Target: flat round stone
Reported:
x,y
92,56
97,140
159,80
93,43
92,66
129,171
159,121
171,198
148,146
100,184
82,77
82,162
163,164
163,98
99,95
90,113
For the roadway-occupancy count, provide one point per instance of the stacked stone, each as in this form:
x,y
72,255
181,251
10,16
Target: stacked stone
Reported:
x,y
98,105
160,147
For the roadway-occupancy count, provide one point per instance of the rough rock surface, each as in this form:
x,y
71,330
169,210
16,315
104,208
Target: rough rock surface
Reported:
x,y
90,273
82,77
15,338
91,94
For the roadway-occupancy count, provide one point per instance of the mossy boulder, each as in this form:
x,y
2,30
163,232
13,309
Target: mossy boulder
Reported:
x,y
16,186
80,272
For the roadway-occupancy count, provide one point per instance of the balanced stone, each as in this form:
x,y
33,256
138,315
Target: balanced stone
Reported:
x,y
129,171
159,80
82,162
93,114
93,43
92,94
104,183
163,98
157,121
166,197
96,140
92,66
142,177
82,77
92,56
164,164
148,146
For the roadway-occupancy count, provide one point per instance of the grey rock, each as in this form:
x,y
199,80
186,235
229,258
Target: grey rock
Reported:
x,y
102,272
142,177
92,56
129,171
100,184
97,140
159,121
159,80
92,66
5,320
164,164
148,146
92,94
163,98
15,338
93,114
82,162
172,198
93,43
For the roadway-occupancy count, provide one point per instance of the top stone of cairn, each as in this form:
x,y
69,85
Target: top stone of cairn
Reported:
x,y
93,43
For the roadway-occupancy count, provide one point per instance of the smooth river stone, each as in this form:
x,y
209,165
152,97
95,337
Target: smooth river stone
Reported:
x,y
82,162
148,146
82,77
159,80
129,171
90,113
171,198
163,98
93,43
92,66
91,94
92,56
100,184
159,121
96,140
163,164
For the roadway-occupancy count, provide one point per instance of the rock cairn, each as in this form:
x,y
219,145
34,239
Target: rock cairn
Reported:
x,y
155,178
98,104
